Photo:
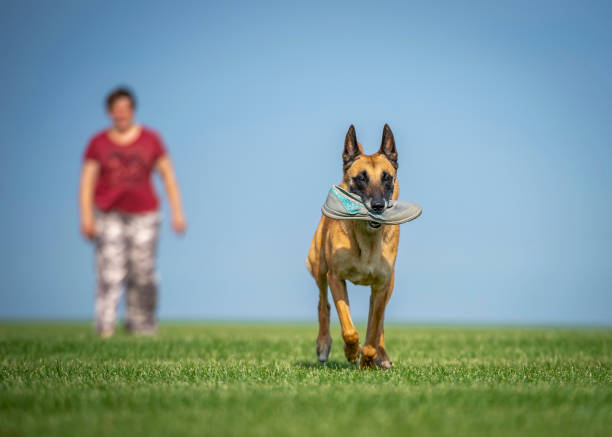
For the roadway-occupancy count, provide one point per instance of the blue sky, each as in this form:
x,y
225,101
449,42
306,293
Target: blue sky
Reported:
x,y
502,114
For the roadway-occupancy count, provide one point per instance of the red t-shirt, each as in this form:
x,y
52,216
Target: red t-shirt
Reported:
x,y
124,181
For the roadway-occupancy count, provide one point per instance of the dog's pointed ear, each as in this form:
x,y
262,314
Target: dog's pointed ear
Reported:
x,y
387,147
352,149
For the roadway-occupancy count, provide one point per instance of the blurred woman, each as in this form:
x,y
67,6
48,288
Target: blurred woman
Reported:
x,y
119,211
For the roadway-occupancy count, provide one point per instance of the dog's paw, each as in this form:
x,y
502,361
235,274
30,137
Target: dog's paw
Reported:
x,y
323,348
383,364
382,360
368,357
352,351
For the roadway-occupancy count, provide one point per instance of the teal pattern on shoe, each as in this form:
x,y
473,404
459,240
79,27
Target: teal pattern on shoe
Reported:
x,y
343,205
350,206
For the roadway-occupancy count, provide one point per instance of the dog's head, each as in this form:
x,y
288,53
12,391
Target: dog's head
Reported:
x,y
372,177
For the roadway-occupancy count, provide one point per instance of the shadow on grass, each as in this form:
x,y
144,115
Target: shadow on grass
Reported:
x,y
331,364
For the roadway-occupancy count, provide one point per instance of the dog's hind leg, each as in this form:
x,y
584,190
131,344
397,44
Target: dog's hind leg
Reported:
x,y
352,348
324,339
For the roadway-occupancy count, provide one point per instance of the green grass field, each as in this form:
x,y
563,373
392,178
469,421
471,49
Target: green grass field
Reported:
x,y
239,379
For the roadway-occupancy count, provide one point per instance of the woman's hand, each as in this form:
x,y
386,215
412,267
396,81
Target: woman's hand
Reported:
x,y
178,223
167,173
89,176
88,227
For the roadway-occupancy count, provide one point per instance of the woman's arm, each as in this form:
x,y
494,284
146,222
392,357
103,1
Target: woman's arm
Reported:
x,y
89,175
164,166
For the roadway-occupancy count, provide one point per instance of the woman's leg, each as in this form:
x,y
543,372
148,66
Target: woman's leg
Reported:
x,y
111,262
141,301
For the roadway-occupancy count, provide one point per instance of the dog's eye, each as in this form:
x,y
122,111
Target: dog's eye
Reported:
x,y
387,178
361,179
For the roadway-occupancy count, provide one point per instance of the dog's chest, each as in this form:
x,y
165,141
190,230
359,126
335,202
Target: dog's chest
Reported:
x,y
364,275
364,268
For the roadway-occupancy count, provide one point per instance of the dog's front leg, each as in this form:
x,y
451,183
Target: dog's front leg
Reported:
x,y
382,359
349,333
378,301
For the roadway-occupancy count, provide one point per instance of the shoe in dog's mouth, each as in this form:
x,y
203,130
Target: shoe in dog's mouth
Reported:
x,y
374,225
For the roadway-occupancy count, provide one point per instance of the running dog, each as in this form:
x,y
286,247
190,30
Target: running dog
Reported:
x,y
362,252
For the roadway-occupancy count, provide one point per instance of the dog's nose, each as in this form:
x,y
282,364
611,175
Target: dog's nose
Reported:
x,y
377,205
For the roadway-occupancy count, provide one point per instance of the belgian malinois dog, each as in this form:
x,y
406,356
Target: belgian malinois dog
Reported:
x,y
362,252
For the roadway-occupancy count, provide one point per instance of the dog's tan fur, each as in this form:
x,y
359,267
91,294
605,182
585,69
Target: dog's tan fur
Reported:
x,y
352,250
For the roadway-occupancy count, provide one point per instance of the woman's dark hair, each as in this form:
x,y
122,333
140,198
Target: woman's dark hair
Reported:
x,y
117,93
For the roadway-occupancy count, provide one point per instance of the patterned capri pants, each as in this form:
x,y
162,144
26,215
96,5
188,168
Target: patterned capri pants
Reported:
x,y
125,256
